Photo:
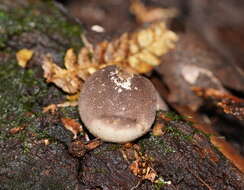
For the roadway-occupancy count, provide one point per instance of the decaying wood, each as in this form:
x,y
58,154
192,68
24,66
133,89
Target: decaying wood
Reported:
x,y
174,156
226,148
182,156
229,104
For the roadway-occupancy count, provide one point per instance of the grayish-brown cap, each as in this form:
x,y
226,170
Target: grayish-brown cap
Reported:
x,y
117,106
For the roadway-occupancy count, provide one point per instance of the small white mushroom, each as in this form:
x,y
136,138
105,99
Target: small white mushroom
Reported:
x,y
117,106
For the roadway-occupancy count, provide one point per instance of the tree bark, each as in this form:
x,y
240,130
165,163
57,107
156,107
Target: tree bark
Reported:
x,y
38,157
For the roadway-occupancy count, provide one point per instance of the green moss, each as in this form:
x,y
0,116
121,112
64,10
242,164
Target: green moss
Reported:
x,y
44,17
19,93
154,142
175,117
178,133
21,96
43,135
26,147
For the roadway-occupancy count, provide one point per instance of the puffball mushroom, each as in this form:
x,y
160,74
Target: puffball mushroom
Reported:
x,y
117,106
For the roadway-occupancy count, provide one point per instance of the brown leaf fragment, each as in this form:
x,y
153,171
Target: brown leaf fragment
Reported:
x,y
73,98
141,165
158,129
66,79
23,56
52,108
128,145
141,168
150,14
16,130
70,60
128,153
228,103
93,144
79,148
72,126
68,104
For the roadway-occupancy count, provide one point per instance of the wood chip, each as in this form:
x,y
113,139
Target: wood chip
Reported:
x,y
72,126
158,129
23,56
16,130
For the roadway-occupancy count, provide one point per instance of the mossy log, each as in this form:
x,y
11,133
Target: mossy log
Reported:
x,y
182,156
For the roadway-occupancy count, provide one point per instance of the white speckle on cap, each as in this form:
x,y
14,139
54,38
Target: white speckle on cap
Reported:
x,y
120,82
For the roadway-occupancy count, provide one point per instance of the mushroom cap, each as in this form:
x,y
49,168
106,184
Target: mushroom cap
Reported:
x,y
117,106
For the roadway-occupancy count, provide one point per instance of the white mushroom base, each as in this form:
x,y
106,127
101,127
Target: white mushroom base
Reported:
x,y
105,130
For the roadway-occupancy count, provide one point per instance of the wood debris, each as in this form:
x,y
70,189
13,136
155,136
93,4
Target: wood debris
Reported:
x,y
137,52
73,98
16,130
79,148
142,169
23,56
150,14
52,108
141,165
228,103
72,126
158,129
67,78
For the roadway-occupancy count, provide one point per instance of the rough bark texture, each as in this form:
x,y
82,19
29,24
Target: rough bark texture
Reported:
x,y
25,162
183,155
